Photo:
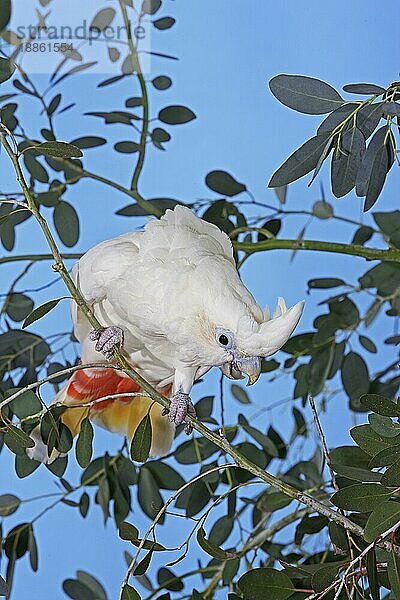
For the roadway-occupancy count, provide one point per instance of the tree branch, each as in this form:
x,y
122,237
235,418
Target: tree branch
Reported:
x,y
145,99
37,257
391,254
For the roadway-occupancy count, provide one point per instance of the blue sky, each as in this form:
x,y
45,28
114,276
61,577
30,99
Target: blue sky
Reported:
x,y
228,50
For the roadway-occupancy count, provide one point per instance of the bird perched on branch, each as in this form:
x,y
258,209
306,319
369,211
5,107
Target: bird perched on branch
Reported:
x,y
171,297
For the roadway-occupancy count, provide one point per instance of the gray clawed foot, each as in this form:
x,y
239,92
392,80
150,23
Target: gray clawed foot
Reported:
x,y
181,406
107,338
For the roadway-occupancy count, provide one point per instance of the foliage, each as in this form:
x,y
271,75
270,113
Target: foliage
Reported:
x,y
338,510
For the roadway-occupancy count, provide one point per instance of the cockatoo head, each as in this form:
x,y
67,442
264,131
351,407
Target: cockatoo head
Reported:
x,y
232,331
254,340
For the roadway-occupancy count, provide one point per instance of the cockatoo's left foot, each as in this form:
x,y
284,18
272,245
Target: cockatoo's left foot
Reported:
x,y
107,338
181,406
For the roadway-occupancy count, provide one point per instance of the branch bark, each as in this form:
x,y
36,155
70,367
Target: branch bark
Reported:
x,y
390,255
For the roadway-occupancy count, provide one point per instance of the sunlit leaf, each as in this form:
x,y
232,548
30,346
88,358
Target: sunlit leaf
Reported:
x,y
59,149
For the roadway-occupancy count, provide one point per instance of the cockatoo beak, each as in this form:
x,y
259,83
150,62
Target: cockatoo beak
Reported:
x,y
229,371
251,365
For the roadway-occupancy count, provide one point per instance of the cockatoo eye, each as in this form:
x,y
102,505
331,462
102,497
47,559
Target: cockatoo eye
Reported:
x,y
225,338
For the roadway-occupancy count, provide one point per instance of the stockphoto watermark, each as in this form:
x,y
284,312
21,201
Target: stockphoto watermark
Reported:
x,y
104,45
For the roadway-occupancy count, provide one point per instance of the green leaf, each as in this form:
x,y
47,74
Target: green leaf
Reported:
x,y
368,118
54,104
305,94
84,504
392,109
144,564
58,150
135,210
33,551
162,82
130,533
17,440
346,161
301,162
102,19
77,590
324,283
17,541
355,377
3,587
25,405
127,147
88,141
382,519
364,497
336,118
391,477
265,583
17,306
92,583
150,7
273,501
212,549
8,504
370,441
149,495
380,405
24,466
389,223
362,235
240,394
141,441
5,13
380,167
66,222
168,580
166,477
223,183
84,443
262,439
35,168
40,312
384,426
221,530
385,457
164,23
322,209
368,344
393,569
281,193
129,593
366,89
176,115
7,68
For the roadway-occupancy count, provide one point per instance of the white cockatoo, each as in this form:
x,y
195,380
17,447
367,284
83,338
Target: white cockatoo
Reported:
x,y
171,296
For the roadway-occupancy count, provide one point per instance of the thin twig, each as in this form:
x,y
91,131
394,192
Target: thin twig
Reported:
x,y
160,513
323,441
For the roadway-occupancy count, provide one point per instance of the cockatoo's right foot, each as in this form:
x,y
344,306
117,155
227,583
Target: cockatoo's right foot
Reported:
x,y
107,338
181,406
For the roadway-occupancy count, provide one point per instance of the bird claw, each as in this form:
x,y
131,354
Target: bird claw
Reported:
x,y
181,406
107,339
